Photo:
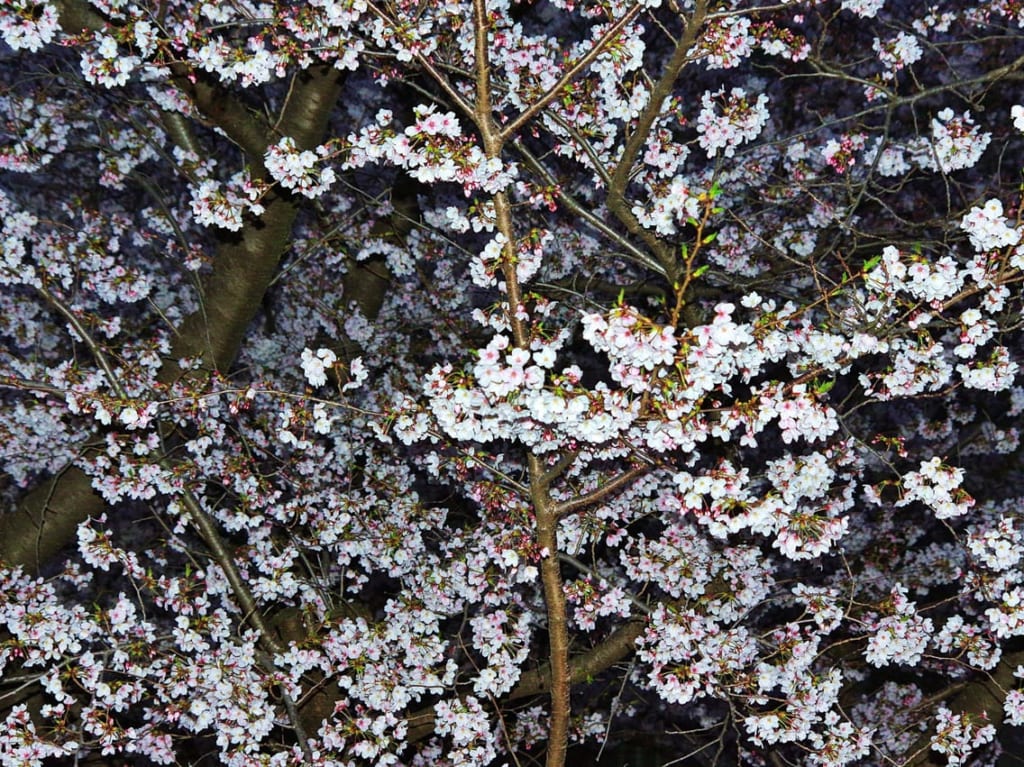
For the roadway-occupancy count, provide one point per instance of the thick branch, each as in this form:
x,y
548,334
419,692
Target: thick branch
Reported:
x,y
230,297
246,264
583,213
615,647
558,625
248,129
47,518
618,645
570,74
597,495
546,520
617,202
76,17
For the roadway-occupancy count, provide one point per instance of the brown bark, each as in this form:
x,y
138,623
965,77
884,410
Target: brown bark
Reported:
x,y
558,631
614,648
244,266
617,202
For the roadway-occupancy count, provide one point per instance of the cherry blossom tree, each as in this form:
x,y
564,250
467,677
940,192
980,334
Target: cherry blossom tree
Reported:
x,y
402,382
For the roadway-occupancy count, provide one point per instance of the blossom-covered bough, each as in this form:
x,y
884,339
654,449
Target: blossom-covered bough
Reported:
x,y
450,383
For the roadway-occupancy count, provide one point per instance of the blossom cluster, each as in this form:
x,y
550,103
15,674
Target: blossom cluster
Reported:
x,y
726,121
38,132
297,170
669,207
958,736
28,25
897,53
956,143
103,63
938,487
987,228
900,636
226,205
432,150
629,344
746,481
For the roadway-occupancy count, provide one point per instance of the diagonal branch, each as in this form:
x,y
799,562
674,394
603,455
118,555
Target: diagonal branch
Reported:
x,y
245,265
583,667
565,508
570,74
617,203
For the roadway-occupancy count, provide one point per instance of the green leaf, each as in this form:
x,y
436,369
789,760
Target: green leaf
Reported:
x,y
871,263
